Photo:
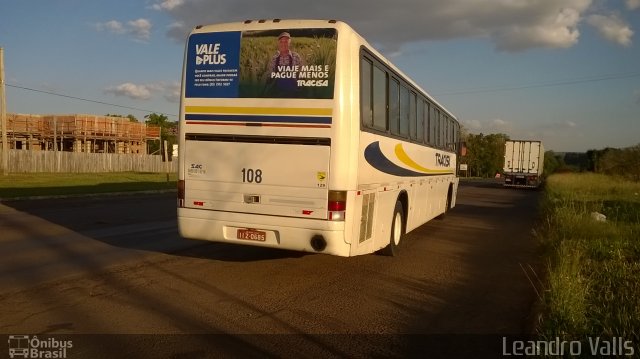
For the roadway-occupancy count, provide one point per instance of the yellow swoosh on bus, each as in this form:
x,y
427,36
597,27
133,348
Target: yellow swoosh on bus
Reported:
x,y
378,160
404,158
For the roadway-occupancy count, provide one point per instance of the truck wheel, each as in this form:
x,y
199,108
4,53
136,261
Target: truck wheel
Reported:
x,y
397,232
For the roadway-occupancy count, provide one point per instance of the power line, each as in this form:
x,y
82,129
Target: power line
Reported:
x,y
544,84
89,100
462,92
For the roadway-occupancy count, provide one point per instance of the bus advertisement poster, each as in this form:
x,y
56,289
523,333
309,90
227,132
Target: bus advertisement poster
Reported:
x,y
212,65
298,63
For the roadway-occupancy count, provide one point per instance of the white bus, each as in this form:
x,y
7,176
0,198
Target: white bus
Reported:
x,y
298,134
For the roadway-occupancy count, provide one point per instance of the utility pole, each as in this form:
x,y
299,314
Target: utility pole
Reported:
x,y
3,118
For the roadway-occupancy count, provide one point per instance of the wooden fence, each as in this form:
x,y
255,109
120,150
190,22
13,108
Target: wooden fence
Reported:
x,y
21,161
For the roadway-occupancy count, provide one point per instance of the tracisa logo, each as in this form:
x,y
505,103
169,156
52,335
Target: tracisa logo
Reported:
x,y
32,347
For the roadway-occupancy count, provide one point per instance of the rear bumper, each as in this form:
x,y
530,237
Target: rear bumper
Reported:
x,y
521,180
280,232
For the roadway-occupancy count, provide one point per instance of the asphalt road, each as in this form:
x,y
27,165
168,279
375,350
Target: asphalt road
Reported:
x,y
116,265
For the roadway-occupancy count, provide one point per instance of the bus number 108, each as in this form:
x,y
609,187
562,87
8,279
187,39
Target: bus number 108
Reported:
x,y
249,175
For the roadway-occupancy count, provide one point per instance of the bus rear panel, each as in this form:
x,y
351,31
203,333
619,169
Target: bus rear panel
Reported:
x,y
256,134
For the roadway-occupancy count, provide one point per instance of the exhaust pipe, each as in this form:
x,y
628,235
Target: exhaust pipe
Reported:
x,y
318,243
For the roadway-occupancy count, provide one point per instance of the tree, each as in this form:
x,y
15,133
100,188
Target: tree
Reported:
x,y
485,154
131,117
632,159
168,132
621,162
552,162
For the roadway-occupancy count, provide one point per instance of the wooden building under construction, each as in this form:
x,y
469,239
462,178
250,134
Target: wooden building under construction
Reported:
x,y
79,133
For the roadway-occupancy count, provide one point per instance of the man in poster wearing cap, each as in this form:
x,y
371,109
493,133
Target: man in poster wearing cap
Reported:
x,y
283,83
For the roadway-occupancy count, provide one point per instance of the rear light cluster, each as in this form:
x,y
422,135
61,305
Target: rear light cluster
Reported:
x,y
181,193
337,205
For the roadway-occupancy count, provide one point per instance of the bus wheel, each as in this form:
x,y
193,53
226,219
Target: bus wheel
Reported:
x,y
397,232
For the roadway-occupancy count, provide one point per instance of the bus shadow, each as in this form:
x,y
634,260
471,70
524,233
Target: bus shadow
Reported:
x,y
234,253
117,222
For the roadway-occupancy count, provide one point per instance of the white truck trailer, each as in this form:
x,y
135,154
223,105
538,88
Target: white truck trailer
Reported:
x,y
523,163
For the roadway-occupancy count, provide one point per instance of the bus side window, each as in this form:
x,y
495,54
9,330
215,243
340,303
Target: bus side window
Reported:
x,y
394,106
456,132
366,92
404,112
420,114
447,139
435,122
413,117
379,99
427,123
443,131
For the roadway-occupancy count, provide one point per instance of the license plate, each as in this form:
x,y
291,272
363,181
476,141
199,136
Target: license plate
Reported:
x,y
252,235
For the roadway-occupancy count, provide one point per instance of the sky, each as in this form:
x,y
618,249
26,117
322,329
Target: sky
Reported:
x,y
566,72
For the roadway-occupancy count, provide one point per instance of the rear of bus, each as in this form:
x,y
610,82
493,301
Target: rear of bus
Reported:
x,y
256,128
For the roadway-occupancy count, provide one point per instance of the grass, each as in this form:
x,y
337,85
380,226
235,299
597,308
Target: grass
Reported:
x,y
593,286
20,185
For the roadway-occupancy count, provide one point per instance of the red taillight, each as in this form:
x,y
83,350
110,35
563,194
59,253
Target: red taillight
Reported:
x,y
337,205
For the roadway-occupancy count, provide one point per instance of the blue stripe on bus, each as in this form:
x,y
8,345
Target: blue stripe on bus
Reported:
x,y
258,118
374,156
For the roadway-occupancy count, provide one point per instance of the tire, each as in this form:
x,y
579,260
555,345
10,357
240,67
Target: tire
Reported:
x,y
397,232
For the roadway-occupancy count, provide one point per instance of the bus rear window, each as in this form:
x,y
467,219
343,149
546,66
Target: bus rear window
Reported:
x,y
281,63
